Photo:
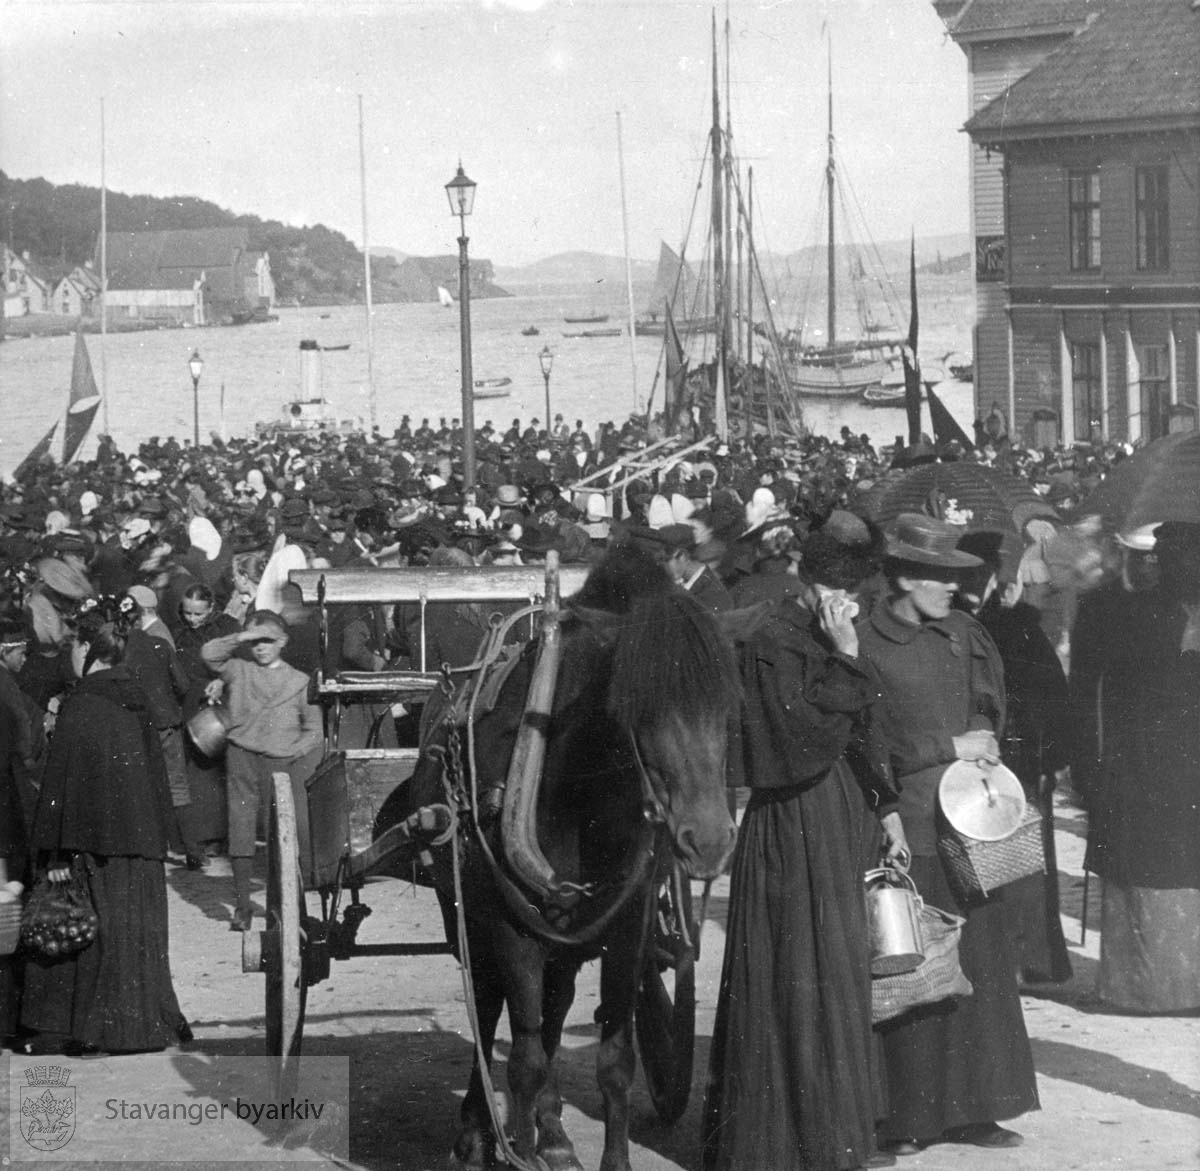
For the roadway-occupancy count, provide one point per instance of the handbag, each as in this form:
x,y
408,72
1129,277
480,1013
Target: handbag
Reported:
x,y
937,977
59,918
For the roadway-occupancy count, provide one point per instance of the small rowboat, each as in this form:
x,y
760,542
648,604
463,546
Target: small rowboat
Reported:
x,y
492,387
596,333
530,331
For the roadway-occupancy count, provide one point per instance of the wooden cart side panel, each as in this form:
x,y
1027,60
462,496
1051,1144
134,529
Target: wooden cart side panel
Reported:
x,y
488,583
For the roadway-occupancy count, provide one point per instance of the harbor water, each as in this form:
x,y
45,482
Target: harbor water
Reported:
x,y
255,370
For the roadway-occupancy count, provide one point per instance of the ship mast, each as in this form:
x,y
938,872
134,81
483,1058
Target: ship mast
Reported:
x,y
718,238
830,262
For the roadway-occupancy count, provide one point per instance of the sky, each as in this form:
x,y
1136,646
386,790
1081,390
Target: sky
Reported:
x,y
254,105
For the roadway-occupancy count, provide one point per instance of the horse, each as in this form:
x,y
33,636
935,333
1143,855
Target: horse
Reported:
x,y
634,776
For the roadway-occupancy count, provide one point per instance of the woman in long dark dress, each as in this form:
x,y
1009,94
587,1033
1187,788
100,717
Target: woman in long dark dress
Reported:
x,y
793,1082
200,621
957,1067
105,801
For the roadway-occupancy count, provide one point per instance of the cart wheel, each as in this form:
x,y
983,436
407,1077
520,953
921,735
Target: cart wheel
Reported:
x,y
281,943
665,1016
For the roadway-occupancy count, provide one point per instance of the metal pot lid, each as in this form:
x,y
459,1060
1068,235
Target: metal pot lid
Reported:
x,y
982,801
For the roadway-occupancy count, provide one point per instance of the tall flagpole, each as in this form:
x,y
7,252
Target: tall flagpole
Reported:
x,y
103,278
628,266
362,175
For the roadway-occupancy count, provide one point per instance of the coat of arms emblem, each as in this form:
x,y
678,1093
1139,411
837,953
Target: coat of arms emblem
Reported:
x,y
47,1107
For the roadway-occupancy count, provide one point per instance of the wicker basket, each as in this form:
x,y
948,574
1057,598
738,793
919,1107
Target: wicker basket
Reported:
x,y
974,868
937,977
10,927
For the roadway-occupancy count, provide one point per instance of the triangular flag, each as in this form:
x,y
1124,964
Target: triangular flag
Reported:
x,y
84,401
945,426
39,452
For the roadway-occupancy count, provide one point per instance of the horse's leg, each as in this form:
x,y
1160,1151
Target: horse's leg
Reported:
x,y
620,973
557,996
521,961
476,1142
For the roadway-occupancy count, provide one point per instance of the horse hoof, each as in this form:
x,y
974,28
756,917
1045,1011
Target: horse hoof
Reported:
x,y
476,1150
560,1158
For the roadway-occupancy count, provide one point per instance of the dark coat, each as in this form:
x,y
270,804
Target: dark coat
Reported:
x,y
805,704
1140,778
939,680
104,789
152,661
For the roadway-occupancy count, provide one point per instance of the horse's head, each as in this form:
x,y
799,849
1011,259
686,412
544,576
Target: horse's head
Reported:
x,y
673,690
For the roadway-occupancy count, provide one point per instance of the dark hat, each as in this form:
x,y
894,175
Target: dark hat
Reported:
x,y
677,536
1000,552
536,538
294,508
925,540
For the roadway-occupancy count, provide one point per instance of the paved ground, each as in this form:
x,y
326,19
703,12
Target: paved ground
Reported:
x,y
1117,1091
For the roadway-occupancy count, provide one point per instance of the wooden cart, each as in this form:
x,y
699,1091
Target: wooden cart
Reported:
x,y
295,949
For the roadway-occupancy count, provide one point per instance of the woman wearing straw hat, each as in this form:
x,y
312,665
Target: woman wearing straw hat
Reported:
x,y
955,1068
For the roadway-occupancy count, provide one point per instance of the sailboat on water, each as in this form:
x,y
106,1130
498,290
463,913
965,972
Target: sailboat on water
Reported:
x,y
82,404
832,365
675,285
444,297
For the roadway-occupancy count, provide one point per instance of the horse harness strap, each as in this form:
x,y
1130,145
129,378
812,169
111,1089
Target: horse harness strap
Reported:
x,y
471,811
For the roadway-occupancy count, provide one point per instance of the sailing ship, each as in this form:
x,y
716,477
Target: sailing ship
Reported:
x,y
675,284
82,404
444,297
836,366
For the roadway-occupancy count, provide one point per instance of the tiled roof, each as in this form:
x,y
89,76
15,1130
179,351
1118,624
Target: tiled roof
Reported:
x,y
200,248
1138,60
1002,18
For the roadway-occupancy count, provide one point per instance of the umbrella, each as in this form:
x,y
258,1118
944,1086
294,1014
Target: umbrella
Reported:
x,y
974,495
1160,482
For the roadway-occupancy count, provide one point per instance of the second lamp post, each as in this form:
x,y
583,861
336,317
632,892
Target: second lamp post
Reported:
x,y
546,357
461,192
196,366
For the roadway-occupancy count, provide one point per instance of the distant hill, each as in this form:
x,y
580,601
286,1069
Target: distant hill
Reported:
x,y
59,224
575,268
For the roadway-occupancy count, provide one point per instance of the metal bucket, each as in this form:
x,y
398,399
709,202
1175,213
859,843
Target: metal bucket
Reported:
x,y
894,936
209,729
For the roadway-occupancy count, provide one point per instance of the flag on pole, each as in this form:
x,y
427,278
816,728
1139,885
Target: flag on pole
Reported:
x,y
84,401
908,354
40,450
945,426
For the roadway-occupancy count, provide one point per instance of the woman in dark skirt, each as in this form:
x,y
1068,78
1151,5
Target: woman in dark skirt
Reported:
x,y
105,803
198,622
957,1067
793,1080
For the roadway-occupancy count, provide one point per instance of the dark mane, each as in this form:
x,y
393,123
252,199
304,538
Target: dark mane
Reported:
x,y
623,575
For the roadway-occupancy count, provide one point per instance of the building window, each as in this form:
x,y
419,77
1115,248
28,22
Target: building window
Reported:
x,y
1084,195
1151,189
1085,389
1155,376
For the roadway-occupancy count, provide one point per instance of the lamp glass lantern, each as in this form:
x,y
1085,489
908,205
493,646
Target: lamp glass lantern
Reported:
x,y
196,365
461,193
546,358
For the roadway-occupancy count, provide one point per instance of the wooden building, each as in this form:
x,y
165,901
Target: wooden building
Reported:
x,y
1086,213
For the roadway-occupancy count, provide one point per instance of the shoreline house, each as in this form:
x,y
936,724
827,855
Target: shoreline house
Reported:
x,y
28,287
206,276
418,278
1085,152
78,293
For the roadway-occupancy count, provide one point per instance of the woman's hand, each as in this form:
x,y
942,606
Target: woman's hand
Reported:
x,y
978,745
58,870
836,614
895,844
214,689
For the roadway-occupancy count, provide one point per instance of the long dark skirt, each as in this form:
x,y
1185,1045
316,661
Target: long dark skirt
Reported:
x,y
116,994
961,1061
793,1083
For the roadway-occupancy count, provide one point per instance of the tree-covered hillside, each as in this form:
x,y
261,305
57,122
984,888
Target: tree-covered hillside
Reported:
x,y
58,227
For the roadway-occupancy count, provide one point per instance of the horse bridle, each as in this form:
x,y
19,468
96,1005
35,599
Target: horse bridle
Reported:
x,y
654,810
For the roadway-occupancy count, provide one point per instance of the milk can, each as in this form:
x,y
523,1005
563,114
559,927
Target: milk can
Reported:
x,y
894,935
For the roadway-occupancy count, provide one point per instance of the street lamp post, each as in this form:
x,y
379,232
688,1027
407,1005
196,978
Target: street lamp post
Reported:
x,y
461,193
196,366
546,357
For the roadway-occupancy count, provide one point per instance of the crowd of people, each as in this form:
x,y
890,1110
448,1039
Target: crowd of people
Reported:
x,y
137,589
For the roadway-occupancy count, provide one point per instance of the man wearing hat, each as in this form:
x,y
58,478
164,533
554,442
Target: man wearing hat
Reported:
x,y
953,1073
689,573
